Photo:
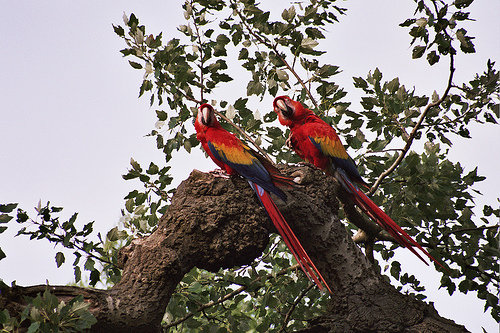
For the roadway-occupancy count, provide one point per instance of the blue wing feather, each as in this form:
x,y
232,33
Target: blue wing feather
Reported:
x,y
346,164
253,170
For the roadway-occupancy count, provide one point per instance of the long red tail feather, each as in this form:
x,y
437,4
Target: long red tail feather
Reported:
x,y
382,219
290,239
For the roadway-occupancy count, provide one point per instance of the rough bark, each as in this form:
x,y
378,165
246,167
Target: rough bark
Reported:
x,y
216,222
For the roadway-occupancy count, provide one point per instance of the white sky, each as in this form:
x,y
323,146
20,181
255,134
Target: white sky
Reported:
x,y
70,118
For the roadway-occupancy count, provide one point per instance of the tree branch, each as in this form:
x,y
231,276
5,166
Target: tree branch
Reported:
x,y
294,305
201,55
215,223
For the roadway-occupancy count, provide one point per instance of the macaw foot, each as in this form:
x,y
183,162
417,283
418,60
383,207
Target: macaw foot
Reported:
x,y
298,176
219,173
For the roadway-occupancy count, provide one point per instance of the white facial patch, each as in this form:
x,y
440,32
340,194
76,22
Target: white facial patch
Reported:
x,y
205,112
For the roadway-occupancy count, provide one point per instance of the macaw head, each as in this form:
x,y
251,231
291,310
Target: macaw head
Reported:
x,y
206,116
288,110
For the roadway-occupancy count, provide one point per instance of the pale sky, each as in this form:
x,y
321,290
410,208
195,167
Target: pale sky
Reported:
x,y
71,120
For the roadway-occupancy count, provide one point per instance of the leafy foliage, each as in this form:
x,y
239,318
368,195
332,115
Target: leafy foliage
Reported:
x,y
266,296
228,41
99,258
5,209
46,314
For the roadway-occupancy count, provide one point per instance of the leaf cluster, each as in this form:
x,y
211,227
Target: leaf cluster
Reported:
x,y
5,217
439,29
99,257
259,298
46,314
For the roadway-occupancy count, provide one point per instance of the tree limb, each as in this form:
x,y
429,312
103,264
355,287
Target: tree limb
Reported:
x,y
448,233
215,223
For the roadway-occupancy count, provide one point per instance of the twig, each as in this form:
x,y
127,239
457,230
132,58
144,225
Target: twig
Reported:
x,y
414,131
294,305
451,121
447,234
480,271
58,238
201,54
401,127
383,151
225,297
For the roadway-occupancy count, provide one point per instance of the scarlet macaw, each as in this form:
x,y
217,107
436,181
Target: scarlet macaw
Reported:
x,y
233,156
317,142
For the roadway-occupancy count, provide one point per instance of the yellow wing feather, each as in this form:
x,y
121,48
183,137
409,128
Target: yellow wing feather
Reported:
x,y
235,154
332,147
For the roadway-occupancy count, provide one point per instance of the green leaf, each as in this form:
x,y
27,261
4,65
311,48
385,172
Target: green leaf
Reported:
x,y
432,58
115,234
282,75
359,82
34,327
135,64
4,218
288,14
94,277
377,75
466,44
129,205
309,43
59,259
7,208
89,264
407,23
393,85
162,115
136,166
119,30
153,169
418,51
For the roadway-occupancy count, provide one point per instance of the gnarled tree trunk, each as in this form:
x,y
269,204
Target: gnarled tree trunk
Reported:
x,y
216,223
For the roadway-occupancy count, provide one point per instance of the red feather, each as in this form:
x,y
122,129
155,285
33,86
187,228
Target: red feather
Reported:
x,y
229,153
317,142
290,239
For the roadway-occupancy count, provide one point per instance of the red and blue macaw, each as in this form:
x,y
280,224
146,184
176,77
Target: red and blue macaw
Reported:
x,y
233,156
317,142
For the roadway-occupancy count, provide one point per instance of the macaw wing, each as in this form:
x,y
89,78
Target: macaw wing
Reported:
x,y
333,148
240,158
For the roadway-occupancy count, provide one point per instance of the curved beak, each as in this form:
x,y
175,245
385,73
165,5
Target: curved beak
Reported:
x,y
285,109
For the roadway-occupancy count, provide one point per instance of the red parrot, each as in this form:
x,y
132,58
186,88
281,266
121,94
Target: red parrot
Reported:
x,y
233,156
317,142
